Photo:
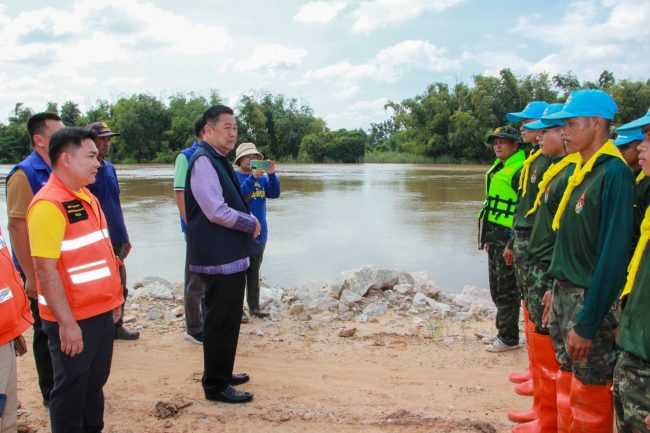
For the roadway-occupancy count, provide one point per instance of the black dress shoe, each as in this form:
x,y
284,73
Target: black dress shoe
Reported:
x,y
259,313
239,378
231,395
122,333
244,317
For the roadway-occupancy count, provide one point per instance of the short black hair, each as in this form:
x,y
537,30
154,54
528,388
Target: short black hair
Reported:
x,y
212,114
65,138
36,123
199,124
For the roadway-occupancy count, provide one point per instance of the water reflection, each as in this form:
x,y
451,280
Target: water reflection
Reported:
x,y
329,218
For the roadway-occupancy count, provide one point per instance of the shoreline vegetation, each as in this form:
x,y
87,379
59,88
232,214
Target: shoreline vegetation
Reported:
x,y
445,124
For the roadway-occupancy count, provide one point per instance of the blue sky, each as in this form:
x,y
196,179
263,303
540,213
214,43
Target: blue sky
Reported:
x,y
345,58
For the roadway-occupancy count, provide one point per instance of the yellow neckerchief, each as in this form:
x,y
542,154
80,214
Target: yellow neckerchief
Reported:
x,y
638,253
526,169
640,177
579,175
549,174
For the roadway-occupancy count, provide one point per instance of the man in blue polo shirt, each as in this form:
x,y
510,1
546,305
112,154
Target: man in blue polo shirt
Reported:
x,y
107,190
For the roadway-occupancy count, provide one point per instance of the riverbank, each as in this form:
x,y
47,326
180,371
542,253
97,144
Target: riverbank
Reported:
x,y
421,368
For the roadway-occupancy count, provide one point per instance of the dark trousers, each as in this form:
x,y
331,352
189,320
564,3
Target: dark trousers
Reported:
x,y
224,297
504,292
41,354
77,399
119,250
193,300
253,280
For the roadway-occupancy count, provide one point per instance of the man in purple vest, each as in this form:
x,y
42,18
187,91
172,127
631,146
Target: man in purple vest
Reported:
x,y
23,182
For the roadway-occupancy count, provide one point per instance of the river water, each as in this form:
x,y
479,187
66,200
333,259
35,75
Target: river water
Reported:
x,y
329,218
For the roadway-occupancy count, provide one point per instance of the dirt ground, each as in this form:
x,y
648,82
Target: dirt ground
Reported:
x,y
401,374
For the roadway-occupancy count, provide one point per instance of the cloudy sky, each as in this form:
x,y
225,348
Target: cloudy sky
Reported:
x,y
345,58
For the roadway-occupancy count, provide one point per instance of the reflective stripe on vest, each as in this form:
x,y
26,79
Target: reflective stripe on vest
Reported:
x,y
5,295
83,241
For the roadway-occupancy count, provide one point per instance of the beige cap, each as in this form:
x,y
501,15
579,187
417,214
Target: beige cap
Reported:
x,y
246,149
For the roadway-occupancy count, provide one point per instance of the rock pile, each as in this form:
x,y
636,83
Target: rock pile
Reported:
x,y
360,295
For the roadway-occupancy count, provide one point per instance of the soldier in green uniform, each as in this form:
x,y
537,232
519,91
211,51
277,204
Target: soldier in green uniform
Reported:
x,y
632,373
516,250
592,246
495,223
542,417
627,142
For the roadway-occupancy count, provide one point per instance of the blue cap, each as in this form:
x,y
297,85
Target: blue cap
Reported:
x,y
629,136
638,123
533,110
587,103
539,124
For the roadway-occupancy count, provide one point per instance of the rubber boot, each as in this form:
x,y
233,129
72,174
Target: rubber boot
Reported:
x,y
527,375
563,400
546,367
531,414
592,408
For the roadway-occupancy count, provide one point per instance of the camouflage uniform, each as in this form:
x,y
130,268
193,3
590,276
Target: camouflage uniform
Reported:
x,y
538,284
632,393
598,367
521,260
503,285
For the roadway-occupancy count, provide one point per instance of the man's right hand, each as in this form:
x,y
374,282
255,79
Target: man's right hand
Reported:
x,y
258,230
30,287
71,339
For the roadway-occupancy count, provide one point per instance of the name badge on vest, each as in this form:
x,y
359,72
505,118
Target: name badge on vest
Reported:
x,y
75,211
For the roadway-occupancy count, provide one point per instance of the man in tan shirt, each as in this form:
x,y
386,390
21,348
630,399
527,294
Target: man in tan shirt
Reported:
x,y
23,181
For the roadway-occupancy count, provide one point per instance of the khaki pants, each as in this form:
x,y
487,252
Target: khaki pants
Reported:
x,y
8,387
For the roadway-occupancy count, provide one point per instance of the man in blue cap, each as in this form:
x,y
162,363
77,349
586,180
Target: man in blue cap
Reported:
x,y
542,417
628,143
632,372
516,252
590,257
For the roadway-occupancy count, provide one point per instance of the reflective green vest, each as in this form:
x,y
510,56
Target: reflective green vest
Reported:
x,y
501,198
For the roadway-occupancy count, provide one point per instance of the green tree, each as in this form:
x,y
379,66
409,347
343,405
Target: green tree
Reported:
x,y
71,115
142,121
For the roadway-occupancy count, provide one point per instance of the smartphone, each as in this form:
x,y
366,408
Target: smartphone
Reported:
x,y
257,164
3,400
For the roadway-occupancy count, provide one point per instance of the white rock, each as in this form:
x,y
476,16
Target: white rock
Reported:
x,y
335,289
146,281
375,309
476,300
438,306
296,308
349,298
154,314
420,299
343,308
390,295
424,284
154,290
360,280
404,289
361,318
270,295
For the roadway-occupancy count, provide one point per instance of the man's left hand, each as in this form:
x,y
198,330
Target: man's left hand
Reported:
x,y
117,312
508,257
127,249
577,346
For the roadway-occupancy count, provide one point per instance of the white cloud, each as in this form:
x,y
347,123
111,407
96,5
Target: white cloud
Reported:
x,y
360,113
373,14
389,65
319,12
267,59
592,36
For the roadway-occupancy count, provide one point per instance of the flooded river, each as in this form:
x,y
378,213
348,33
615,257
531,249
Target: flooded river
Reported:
x,y
328,218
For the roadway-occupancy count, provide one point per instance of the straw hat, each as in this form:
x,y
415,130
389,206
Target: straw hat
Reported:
x,y
245,149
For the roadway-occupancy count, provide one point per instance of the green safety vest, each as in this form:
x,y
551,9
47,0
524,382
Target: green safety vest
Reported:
x,y
500,197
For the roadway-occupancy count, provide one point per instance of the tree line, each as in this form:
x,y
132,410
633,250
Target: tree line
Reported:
x,y
443,124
